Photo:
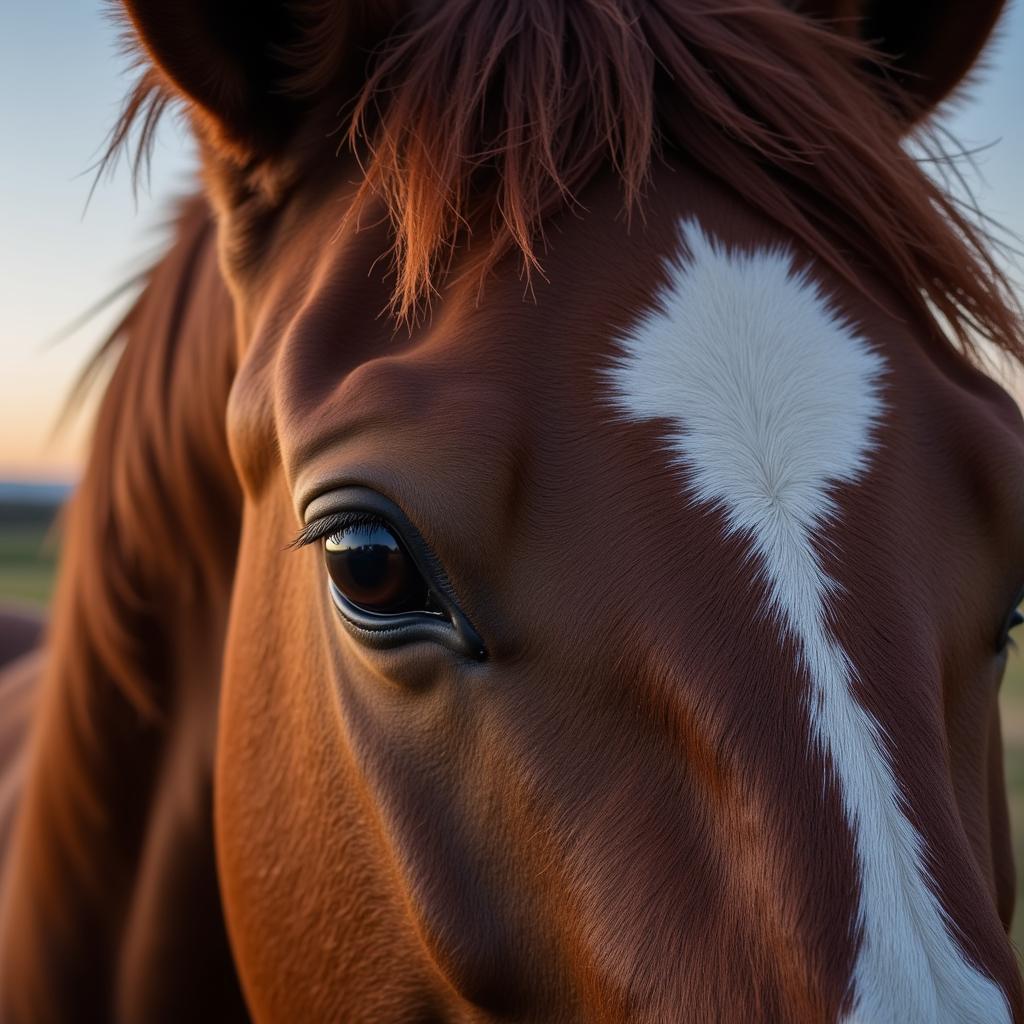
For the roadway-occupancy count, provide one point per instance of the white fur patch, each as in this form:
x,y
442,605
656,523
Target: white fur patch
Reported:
x,y
771,400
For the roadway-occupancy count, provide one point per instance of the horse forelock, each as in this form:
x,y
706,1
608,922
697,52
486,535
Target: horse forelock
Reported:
x,y
483,119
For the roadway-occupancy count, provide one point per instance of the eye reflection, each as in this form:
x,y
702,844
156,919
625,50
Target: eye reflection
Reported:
x,y
371,568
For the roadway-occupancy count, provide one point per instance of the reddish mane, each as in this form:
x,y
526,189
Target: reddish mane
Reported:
x,y
484,118
149,543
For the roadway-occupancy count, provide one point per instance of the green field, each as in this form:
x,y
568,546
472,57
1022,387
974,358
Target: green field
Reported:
x,y
27,565
28,554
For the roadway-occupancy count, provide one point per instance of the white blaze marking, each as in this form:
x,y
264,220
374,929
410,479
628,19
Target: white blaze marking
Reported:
x,y
772,399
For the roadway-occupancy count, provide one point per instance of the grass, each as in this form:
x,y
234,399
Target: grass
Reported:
x,y
28,555
28,563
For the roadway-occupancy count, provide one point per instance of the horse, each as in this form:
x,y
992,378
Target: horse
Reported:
x,y
550,540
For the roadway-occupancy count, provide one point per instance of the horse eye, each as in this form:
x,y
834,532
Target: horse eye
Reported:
x,y
1014,619
388,587
370,567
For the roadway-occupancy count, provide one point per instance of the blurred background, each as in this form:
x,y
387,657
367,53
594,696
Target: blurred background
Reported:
x,y
65,245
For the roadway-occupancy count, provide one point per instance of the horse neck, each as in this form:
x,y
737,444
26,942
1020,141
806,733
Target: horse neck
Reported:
x,y
114,827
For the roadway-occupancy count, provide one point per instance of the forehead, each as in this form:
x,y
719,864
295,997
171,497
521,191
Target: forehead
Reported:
x,y
328,379
640,345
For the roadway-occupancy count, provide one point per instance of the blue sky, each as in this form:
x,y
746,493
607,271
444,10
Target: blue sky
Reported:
x,y
61,83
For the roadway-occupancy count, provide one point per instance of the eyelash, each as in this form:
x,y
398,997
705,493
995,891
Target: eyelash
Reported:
x,y
320,529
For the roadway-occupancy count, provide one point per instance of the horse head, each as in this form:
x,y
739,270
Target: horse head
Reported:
x,y
614,625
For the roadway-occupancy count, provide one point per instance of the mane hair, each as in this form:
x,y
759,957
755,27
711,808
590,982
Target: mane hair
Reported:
x,y
148,547
481,118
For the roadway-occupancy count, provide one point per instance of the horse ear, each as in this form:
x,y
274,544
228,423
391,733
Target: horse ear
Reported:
x,y
931,44
237,61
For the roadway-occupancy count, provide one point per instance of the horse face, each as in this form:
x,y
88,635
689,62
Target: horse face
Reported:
x,y
617,673
594,686
488,780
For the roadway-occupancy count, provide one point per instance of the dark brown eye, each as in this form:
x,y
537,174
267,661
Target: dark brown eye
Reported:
x,y
370,568
388,587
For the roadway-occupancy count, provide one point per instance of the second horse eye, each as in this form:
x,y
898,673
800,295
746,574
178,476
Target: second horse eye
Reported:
x,y
371,568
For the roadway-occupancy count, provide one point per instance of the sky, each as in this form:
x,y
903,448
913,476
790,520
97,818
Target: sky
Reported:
x,y
62,79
